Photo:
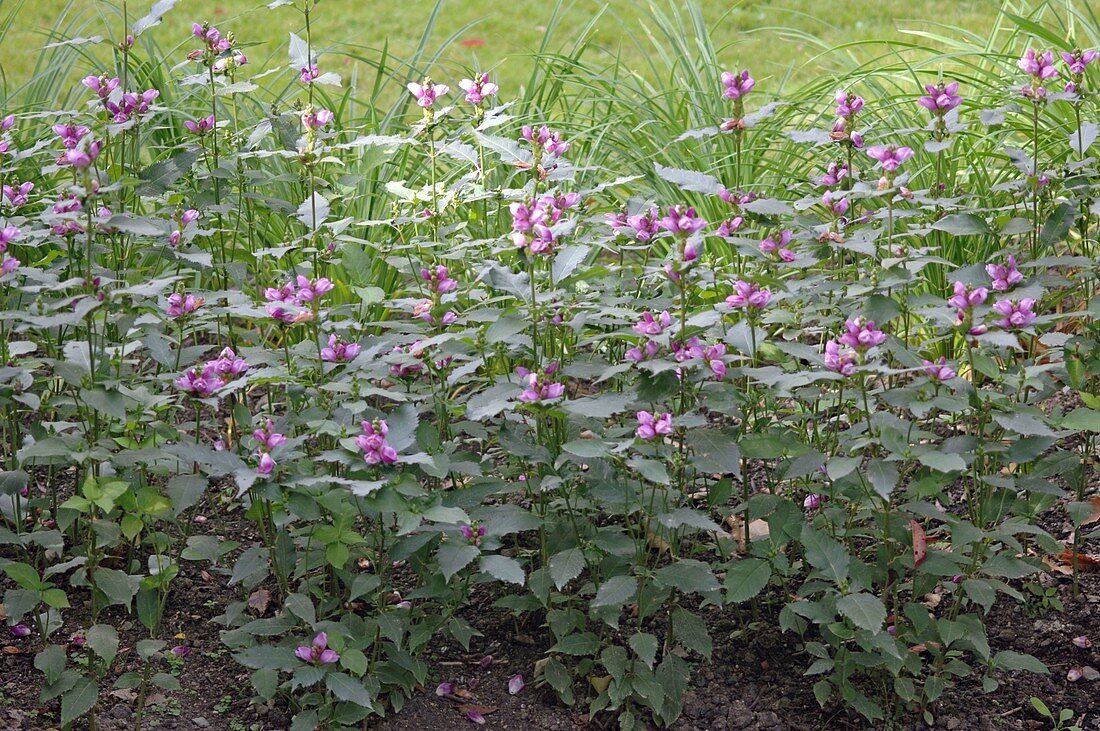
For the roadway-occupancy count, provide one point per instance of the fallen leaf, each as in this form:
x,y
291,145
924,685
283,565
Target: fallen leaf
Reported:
x,y
758,530
600,682
1094,518
11,650
259,600
920,543
1085,562
483,710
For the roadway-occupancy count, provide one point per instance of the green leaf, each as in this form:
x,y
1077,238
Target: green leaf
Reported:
x,y
1023,424
25,575
586,448
746,578
566,566
688,575
943,461
826,555
559,679
157,178
616,591
56,598
1058,223
103,639
347,688
1009,660
454,557
503,568
51,662
883,477
691,632
78,701
118,587
1008,567
963,224
566,262
689,179
865,610
579,643
267,658
645,647
301,606
1082,420
354,661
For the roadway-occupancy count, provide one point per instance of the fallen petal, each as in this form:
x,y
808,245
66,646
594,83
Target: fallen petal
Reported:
x,y
515,684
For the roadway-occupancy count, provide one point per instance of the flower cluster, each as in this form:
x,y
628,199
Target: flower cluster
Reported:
x,y
184,221
372,443
17,197
217,52
180,305
289,303
640,227
8,264
651,426
545,141
1040,67
200,126
847,107
1015,314
1005,276
779,244
478,89
267,441
941,98
538,388
317,652
748,295
428,93
214,374
339,351
862,335
1077,62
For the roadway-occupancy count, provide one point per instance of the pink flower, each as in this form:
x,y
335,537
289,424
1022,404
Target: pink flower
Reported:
x,y
652,326
266,465
478,89
181,305
812,501
941,98
314,120
546,139
847,106
641,227
862,335
1039,65
309,74
427,93
438,280
404,369
889,156
372,442
473,535
338,351
80,157
1079,60
515,684
18,196
538,388
1015,314
834,175
650,426
737,85
200,383
939,370
841,361
682,221
748,295
266,438
200,126
776,243
317,652
644,352
311,291
967,299
714,355
1005,276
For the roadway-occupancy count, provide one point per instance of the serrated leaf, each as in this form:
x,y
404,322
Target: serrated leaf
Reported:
x,y
503,568
691,632
78,701
689,179
616,591
746,578
103,639
566,566
453,558
865,610
348,689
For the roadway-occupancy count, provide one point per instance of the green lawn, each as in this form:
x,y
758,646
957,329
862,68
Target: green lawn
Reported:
x,y
760,34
